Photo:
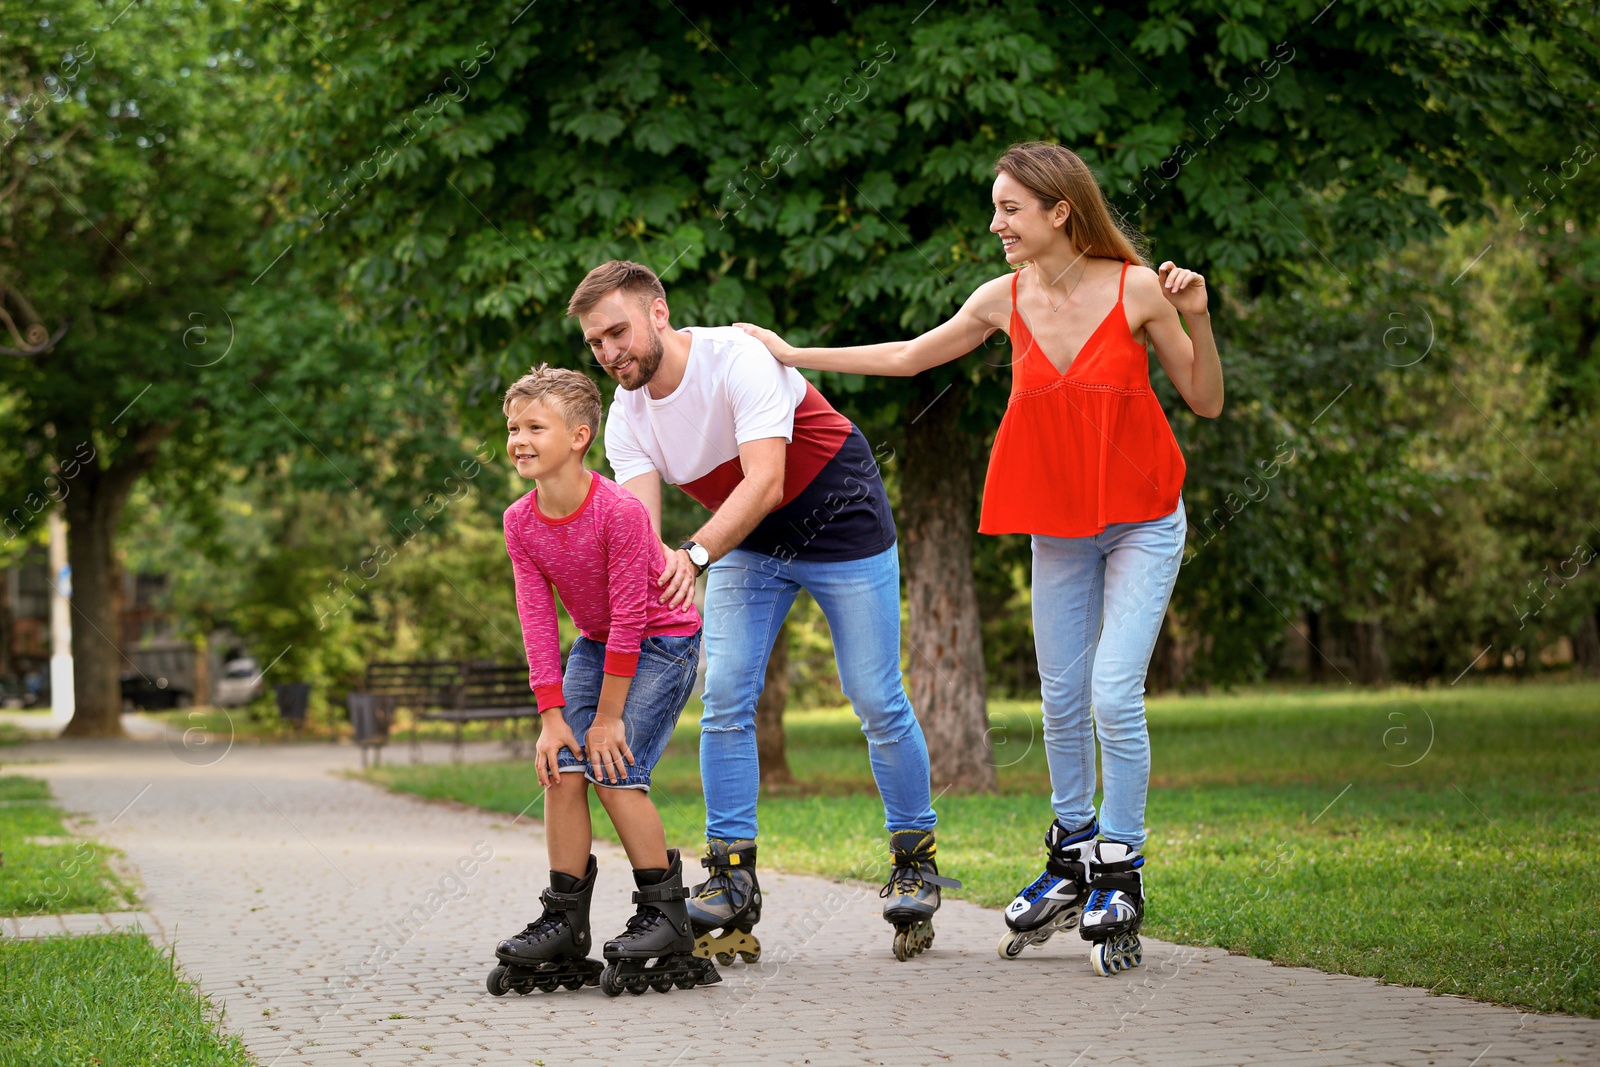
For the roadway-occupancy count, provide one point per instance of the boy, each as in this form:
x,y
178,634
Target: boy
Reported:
x,y
608,719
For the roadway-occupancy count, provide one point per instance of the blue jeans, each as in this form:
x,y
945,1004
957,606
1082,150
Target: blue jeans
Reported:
x,y
748,595
656,696
1098,603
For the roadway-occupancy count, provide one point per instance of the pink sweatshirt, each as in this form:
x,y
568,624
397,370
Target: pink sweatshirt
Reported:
x,y
603,560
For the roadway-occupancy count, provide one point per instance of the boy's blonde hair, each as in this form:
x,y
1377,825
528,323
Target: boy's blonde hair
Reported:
x,y
572,393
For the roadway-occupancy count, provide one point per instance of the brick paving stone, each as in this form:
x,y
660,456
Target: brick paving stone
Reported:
x,y
284,885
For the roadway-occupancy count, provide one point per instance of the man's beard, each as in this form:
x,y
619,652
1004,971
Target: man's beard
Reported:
x,y
648,362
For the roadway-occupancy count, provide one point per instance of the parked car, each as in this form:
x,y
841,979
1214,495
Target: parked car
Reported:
x,y
144,693
240,683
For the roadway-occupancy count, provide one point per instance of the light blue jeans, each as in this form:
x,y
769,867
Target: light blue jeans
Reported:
x,y
748,595
1098,603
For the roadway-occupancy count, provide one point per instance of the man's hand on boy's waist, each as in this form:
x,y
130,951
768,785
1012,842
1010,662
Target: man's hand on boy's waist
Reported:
x,y
677,581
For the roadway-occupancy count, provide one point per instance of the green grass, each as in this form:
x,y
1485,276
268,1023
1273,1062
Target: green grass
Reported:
x,y
112,999
1444,838
50,878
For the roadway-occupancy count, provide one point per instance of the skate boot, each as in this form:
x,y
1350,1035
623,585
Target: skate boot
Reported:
x,y
1115,909
1054,901
730,900
912,892
658,931
553,950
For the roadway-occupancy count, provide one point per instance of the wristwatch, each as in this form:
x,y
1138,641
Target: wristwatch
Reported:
x,y
697,555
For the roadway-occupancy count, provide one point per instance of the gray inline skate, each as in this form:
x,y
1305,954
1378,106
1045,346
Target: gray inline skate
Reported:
x,y
729,901
552,951
912,892
1115,908
658,931
1053,901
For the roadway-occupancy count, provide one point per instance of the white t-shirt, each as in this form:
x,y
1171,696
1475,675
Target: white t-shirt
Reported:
x,y
732,391
833,505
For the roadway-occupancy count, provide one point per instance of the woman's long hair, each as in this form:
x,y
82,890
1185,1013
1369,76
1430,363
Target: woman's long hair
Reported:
x,y
1053,174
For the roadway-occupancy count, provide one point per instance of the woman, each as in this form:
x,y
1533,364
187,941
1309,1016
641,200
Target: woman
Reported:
x,y
1086,463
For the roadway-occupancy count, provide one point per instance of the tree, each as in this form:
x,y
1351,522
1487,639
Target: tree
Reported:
x,y
160,334
824,170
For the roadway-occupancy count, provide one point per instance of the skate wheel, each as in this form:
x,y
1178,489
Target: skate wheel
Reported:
x,y
902,951
575,982
1098,957
662,985
683,983
611,981
725,958
749,957
496,982
637,987
1012,942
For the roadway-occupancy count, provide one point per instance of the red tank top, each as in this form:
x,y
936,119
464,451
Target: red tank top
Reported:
x,y
1079,450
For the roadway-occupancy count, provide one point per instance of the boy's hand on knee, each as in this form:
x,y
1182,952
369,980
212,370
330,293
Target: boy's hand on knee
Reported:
x,y
608,748
554,735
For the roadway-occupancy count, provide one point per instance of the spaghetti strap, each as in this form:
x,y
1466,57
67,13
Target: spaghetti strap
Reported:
x,y
1014,276
1122,280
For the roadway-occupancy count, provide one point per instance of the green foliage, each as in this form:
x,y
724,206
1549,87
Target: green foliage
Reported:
x,y
823,171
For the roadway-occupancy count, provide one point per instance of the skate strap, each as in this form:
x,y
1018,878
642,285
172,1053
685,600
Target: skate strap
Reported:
x,y
659,894
744,857
1065,869
1115,880
941,880
1118,866
559,901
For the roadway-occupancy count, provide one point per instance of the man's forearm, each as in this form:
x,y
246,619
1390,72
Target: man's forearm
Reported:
x,y
749,503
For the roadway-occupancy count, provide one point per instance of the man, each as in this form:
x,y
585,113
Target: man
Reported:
x,y
797,503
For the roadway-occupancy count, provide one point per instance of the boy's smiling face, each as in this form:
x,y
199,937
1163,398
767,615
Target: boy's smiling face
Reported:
x,y
538,439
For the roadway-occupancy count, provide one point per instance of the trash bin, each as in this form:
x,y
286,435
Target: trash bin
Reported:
x,y
292,700
371,715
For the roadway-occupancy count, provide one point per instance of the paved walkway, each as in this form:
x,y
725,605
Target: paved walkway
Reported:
x,y
339,923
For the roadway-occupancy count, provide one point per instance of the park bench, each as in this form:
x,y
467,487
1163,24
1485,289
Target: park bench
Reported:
x,y
491,691
418,686
440,691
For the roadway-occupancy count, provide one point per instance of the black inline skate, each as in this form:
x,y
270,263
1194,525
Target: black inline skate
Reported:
x,y
729,901
1115,909
553,950
658,931
912,892
1053,901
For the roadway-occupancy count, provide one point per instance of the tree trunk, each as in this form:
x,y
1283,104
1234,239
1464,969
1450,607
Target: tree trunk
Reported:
x,y
770,747
8,669
1586,644
202,671
93,507
1372,659
938,512
96,624
1315,664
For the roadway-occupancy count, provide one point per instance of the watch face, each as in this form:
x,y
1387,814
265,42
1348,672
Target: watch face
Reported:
x,y
699,556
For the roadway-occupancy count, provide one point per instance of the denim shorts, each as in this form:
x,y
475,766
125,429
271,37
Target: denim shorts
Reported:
x,y
660,689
